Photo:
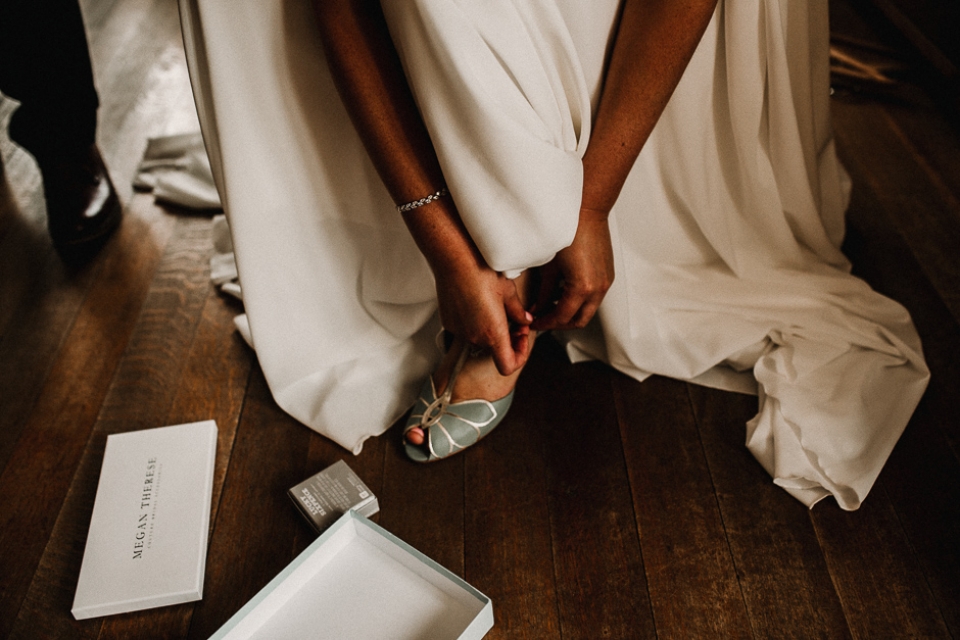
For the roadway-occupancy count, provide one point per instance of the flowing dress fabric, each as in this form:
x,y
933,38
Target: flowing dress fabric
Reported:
x,y
726,235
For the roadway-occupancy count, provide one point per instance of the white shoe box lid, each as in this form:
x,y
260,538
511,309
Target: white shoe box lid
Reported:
x,y
147,544
358,581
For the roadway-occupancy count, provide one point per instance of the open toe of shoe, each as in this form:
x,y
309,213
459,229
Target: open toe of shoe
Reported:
x,y
451,427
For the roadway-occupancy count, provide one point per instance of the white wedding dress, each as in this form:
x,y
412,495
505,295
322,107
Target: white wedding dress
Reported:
x,y
726,234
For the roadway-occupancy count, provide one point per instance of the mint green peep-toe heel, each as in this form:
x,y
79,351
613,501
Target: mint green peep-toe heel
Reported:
x,y
451,427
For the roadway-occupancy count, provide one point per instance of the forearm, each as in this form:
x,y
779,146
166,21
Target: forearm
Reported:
x,y
370,79
654,43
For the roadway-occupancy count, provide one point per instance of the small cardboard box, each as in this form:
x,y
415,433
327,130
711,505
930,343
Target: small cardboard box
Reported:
x,y
324,497
147,544
358,581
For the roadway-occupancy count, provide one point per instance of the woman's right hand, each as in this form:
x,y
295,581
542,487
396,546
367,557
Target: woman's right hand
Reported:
x,y
484,307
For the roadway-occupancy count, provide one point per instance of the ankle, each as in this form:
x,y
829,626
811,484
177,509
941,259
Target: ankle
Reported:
x,y
478,378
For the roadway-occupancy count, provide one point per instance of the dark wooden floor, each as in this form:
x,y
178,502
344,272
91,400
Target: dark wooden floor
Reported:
x,y
601,508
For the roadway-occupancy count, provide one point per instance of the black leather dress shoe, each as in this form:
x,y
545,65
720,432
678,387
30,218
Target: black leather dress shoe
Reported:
x,y
82,205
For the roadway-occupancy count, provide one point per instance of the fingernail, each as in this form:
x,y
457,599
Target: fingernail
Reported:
x,y
528,316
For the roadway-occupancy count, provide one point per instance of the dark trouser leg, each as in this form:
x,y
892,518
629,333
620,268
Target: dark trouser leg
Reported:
x,y
45,64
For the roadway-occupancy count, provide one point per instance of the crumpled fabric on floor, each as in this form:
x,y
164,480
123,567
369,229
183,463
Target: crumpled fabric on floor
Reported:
x,y
223,264
176,169
223,271
726,235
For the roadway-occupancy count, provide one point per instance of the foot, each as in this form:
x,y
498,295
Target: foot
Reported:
x,y
478,379
82,205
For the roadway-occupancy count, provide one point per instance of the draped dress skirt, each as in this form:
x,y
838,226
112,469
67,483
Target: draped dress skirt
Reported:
x,y
726,235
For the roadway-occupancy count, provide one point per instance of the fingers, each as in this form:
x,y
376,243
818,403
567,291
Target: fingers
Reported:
x,y
515,311
587,272
549,287
573,311
485,310
511,354
507,342
585,314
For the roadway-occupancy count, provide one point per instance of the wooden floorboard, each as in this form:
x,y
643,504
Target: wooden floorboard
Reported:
x,y
689,566
922,476
923,482
213,387
602,507
925,215
507,535
243,558
876,573
139,396
31,345
435,524
62,419
775,549
599,594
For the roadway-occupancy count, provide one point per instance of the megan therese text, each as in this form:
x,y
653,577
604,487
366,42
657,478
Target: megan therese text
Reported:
x,y
146,500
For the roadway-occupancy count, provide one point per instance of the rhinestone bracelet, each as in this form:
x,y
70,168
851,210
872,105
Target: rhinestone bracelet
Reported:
x,y
403,208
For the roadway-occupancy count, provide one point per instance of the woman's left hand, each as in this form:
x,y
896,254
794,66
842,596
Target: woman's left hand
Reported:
x,y
580,275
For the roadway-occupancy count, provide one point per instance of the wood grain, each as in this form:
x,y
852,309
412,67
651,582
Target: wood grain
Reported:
x,y
774,546
66,410
434,523
39,296
876,573
688,562
601,587
925,215
922,476
213,386
600,507
507,537
256,526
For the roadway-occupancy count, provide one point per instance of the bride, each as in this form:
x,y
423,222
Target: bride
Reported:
x,y
533,149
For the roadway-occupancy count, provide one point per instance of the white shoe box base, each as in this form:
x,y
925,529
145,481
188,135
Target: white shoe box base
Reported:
x,y
357,581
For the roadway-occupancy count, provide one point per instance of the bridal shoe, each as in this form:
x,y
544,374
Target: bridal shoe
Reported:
x,y
450,427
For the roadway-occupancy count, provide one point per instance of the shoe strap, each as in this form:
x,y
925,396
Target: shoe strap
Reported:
x,y
435,410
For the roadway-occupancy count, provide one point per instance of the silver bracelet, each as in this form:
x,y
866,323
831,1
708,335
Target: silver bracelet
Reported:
x,y
403,208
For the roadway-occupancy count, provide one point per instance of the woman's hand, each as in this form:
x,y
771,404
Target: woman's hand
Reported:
x,y
577,278
664,34
483,307
476,302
